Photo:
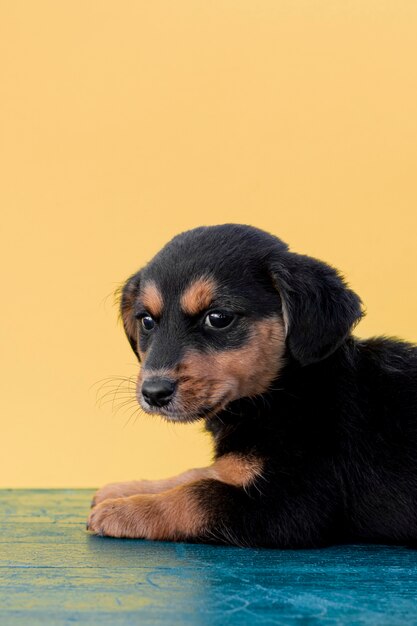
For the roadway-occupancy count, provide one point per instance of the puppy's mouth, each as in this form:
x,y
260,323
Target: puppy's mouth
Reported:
x,y
171,412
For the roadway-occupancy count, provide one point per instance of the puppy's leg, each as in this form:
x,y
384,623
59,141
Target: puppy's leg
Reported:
x,y
212,511
199,508
134,487
230,505
230,468
181,513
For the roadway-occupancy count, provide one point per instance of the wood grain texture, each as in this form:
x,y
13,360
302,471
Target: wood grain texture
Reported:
x,y
53,573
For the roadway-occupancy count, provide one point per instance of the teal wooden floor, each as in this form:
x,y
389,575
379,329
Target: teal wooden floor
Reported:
x,y
52,572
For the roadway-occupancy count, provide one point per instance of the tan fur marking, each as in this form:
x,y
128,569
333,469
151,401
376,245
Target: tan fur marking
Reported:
x,y
217,378
180,515
237,470
152,298
198,296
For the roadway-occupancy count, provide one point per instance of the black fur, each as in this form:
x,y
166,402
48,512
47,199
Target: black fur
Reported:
x,y
337,429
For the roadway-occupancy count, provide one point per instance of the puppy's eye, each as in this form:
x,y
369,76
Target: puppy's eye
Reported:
x,y
218,319
148,323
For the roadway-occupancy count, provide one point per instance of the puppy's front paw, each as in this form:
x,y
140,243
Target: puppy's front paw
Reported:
x,y
120,517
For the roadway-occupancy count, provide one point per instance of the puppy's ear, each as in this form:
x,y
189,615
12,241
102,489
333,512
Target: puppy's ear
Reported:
x,y
129,293
319,309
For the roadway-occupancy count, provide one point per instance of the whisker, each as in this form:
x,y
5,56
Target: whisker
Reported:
x,y
122,402
115,393
102,400
114,386
135,413
110,379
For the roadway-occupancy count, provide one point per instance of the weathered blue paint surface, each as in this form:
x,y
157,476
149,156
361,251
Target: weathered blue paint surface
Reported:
x,y
53,573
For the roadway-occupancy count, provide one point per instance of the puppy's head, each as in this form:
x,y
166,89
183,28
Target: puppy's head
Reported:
x,y
216,312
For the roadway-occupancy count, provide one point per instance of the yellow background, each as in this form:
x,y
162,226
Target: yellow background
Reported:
x,y
123,123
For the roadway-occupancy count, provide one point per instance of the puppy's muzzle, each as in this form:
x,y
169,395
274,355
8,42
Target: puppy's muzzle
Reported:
x,y
158,391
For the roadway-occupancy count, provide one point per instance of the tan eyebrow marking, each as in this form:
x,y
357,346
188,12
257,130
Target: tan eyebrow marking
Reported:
x,y
152,298
198,295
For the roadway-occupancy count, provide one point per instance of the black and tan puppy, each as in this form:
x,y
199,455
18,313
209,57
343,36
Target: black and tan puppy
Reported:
x,y
314,431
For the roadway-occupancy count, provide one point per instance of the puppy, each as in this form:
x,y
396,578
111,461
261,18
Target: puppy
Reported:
x,y
314,430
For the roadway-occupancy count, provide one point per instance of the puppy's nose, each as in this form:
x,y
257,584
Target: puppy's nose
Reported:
x,y
158,391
